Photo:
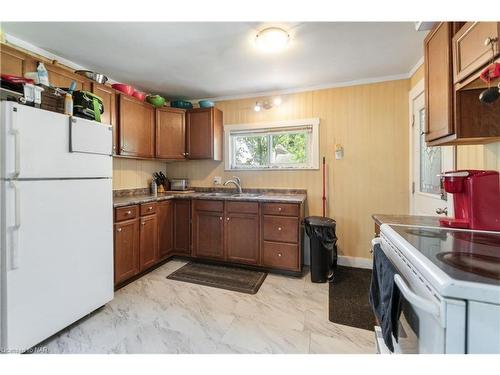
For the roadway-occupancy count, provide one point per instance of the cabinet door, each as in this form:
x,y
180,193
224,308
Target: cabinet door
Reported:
x,y
61,77
148,237
182,224
199,125
165,229
438,83
135,128
12,61
471,50
170,133
126,250
208,234
242,238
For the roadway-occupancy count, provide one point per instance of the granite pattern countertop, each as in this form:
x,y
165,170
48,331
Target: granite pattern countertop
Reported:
x,y
264,197
426,221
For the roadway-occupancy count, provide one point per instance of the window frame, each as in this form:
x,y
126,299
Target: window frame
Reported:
x,y
273,126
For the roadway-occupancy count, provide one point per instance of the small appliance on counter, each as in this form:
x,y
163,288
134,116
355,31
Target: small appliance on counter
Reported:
x,y
179,184
476,199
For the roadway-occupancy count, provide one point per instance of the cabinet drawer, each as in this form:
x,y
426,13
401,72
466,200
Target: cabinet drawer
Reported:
x,y
282,209
206,205
281,229
281,255
126,213
243,207
470,50
148,208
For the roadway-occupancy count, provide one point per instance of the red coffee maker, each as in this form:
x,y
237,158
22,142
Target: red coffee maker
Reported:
x,y
476,199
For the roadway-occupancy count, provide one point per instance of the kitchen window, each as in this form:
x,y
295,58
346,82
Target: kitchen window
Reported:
x,y
288,145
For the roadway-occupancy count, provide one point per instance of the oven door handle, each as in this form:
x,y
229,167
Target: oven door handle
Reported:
x,y
415,299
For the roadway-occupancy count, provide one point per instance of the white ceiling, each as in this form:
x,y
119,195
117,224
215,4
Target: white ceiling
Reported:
x,y
206,60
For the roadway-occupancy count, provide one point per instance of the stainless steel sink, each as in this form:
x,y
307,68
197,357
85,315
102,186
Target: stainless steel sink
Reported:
x,y
217,194
246,195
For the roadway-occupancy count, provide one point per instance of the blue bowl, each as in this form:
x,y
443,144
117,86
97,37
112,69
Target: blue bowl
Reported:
x,y
181,104
206,103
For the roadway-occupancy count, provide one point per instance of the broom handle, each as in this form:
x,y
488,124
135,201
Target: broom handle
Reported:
x,y
324,189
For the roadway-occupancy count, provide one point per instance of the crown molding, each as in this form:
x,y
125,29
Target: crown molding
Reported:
x,y
416,66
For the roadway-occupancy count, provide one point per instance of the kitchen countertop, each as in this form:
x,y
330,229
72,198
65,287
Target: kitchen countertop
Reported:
x,y
426,221
265,197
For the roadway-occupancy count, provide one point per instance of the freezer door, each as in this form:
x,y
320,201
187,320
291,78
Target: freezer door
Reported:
x,y
39,144
58,252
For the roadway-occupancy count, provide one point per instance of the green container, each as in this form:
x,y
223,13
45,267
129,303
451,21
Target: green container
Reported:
x,y
155,100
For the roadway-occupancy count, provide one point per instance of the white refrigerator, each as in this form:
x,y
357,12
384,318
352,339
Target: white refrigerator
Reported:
x,y
55,220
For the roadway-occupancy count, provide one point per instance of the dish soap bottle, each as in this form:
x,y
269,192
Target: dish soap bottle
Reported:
x,y
43,75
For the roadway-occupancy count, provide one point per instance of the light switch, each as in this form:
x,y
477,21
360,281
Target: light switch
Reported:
x,y
339,151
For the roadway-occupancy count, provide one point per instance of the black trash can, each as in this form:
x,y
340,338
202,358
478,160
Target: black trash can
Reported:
x,y
323,241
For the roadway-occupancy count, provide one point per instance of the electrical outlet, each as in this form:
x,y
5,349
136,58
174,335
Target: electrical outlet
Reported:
x,y
217,180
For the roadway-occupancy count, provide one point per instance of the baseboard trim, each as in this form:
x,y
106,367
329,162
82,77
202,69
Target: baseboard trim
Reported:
x,y
347,261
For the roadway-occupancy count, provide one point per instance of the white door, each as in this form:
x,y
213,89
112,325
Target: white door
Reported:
x,y
427,196
57,252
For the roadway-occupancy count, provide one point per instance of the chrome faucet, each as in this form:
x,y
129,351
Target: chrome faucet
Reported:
x,y
236,181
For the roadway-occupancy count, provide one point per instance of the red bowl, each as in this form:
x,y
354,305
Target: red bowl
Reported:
x,y
139,95
126,89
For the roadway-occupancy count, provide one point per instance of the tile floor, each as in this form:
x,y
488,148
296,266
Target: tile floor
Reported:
x,y
157,315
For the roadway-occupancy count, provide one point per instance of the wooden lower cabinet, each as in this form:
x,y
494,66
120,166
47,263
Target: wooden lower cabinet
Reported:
x,y
182,226
126,250
226,231
165,229
208,234
148,248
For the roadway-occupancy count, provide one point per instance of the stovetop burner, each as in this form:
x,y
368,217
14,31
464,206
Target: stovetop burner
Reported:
x,y
461,254
482,265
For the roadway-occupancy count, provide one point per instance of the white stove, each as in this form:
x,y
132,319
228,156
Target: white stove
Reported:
x,y
450,283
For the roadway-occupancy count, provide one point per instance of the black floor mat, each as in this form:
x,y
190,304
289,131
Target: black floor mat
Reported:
x,y
348,298
223,277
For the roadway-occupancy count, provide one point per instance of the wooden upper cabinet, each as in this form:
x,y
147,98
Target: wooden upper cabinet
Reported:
x,y
136,124
13,61
471,50
204,133
438,82
62,77
108,96
165,228
170,133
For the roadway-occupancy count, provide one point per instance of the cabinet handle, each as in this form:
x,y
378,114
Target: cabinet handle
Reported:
x,y
128,212
279,255
489,40
143,223
220,218
150,208
279,228
119,230
279,209
227,218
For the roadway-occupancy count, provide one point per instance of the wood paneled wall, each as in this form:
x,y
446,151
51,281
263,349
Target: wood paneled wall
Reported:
x,y
479,156
369,121
132,174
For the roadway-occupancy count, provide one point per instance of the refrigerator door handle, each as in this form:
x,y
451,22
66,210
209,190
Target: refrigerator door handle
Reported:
x,y
17,145
14,252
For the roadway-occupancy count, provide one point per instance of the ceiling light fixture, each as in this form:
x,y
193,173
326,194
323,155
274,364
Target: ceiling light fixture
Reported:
x,y
267,104
272,39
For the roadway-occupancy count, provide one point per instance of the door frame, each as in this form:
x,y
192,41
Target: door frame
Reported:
x,y
415,91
